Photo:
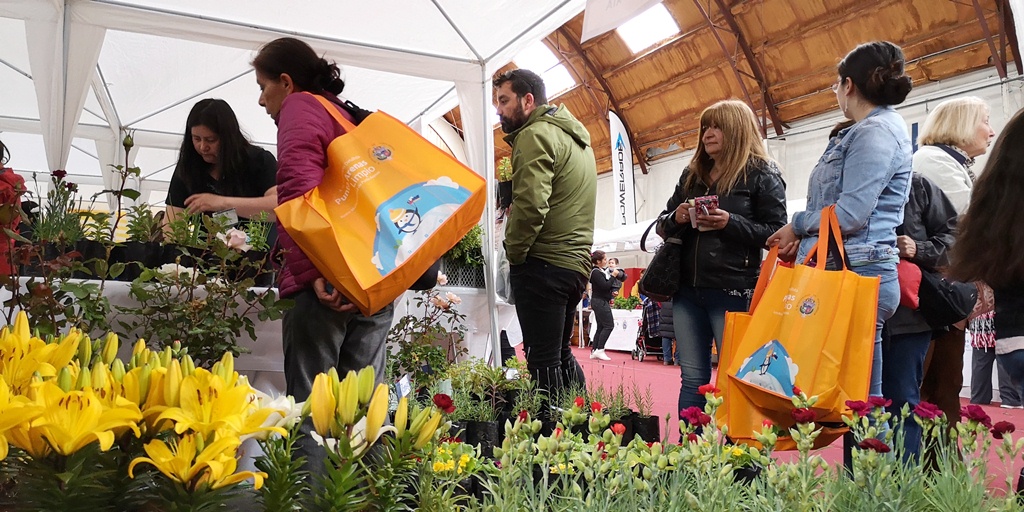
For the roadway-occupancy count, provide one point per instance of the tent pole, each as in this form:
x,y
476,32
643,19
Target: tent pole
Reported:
x,y
490,254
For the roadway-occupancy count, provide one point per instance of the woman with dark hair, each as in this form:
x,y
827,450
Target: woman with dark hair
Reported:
x,y
601,279
324,330
218,169
865,171
721,243
990,243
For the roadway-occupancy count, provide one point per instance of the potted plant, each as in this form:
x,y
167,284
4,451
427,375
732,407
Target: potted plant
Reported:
x,y
143,246
464,263
645,426
424,343
505,182
481,393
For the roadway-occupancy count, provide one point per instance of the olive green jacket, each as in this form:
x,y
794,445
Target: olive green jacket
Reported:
x,y
554,191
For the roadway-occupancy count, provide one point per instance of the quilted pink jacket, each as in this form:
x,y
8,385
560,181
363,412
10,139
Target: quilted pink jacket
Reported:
x,y
304,130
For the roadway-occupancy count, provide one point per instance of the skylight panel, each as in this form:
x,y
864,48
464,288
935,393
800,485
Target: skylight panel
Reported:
x,y
538,58
557,80
647,28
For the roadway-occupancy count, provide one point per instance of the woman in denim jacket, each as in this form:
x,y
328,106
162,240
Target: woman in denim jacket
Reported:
x,y
865,172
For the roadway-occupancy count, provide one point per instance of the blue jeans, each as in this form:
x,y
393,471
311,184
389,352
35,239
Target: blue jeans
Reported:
x,y
698,316
1014,364
902,373
666,348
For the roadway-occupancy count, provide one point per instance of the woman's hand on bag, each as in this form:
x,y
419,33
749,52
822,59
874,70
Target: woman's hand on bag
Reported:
x,y
787,241
907,246
682,215
713,220
333,299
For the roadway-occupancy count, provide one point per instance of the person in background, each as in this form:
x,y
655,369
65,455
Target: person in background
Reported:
x,y
323,330
990,244
550,227
956,132
924,238
721,247
601,279
218,169
865,172
618,274
667,332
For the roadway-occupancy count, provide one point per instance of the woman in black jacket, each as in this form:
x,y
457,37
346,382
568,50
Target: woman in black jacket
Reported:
x,y
601,279
721,244
927,233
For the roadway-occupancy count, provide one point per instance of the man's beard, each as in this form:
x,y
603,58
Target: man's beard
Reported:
x,y
511,124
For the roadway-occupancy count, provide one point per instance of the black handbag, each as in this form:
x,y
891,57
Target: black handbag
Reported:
x,y
944,302
661,279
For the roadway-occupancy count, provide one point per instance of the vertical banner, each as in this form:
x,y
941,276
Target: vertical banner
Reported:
x,y
600,16
622,172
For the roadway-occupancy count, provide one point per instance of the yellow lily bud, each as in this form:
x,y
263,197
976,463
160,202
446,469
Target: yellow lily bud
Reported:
x,y
21,326
419,418
402,416
172,383
332,374
348,400
188,366
84,379
228,360
140,347
144,377
176,346
85,353
64,379
427,433
366,381
117,370
110,347
322,403
377,412
100,379
165,357
307,407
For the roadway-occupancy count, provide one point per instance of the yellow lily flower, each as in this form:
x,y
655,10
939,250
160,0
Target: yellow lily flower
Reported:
x,y
22,356
14,410
207,405
322,404
71,420
184,463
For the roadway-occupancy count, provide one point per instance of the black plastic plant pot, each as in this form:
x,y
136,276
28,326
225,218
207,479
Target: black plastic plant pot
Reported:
x,y
504,194
647,428
486,434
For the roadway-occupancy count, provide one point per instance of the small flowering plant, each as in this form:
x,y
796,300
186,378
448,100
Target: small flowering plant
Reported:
x,y
429,338
59,221
455,459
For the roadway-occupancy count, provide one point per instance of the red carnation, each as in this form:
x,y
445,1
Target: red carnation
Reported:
x,y
1002,427
695,416
927,411
618,429
580,402
691,437
796,390
557,433
859,407
874,444
803,415
523,416
444,402
596,407
976,413
767,423
59,173
707,388
879,401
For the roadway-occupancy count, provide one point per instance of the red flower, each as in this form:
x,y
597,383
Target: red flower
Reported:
x,y
859,407
767,423
596,407
694,416
580,402
691,437
1002,427
803,415
557,433
708,388
879,401
59,173
444,402
618,429
600,445
874,444
523,416
796,390
927,411
976,413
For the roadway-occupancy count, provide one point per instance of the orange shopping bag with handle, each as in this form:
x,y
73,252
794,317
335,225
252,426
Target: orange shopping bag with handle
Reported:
x,y
807,327
389,206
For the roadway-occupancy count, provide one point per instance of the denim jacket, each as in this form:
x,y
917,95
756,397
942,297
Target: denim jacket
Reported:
x,y
865,172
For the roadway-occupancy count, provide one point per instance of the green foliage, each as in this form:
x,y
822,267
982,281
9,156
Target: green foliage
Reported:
x,y
82,482
59,221
258,231
423,345
642,399
285,484
143,225
187,230
468,250
631,302
505,169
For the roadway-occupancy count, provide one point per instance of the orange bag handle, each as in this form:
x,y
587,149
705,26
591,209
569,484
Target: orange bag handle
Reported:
x,y
767,270
333,111
828,230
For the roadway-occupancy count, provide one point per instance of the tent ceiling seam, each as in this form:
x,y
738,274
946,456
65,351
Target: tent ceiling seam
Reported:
x,y
432,105
457,30
16,69
281,31
189,98
525,31
106,97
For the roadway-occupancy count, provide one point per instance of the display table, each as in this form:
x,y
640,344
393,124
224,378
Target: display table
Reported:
x,y
627,325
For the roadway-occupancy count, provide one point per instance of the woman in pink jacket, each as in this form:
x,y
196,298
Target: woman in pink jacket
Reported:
x,y
324,329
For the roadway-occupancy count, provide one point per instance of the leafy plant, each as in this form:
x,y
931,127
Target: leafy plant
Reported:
x,y
143,225
258,231
642,399
631,302
505,169
424,344
467,251
59,221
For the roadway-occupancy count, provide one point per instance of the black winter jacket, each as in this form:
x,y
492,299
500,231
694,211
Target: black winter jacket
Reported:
x,y
729,258
930,220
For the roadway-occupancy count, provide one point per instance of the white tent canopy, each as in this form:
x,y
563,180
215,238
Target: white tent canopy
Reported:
x,y
77,72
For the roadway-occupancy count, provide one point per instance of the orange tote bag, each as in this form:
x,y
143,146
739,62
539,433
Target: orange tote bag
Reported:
x,y
389,206
807,327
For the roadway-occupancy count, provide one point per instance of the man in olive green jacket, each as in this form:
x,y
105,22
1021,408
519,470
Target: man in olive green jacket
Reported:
x,y
550,228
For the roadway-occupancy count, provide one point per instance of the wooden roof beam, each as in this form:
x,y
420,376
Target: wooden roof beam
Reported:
x,y
996,59
769,103
580,78
596,73
1009,28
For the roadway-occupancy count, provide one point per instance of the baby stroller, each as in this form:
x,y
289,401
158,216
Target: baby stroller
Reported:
x,y
644,343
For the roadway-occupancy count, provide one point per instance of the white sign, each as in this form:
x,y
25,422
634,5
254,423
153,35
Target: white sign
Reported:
x,y
622,172
601,16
